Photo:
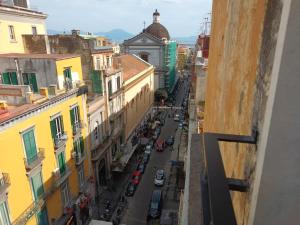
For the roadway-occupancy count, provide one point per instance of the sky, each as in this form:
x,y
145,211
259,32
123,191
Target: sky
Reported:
x,y
181,17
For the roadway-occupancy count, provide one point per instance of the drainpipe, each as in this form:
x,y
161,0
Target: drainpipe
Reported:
x,y
18,71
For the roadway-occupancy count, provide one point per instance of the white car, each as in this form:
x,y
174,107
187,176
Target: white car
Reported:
x,y
176,117
159,178
148,149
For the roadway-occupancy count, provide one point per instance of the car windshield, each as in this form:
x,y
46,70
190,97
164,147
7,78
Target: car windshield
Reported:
x,y
154,205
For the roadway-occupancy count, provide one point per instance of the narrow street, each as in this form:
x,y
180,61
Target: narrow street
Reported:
x,y
137,210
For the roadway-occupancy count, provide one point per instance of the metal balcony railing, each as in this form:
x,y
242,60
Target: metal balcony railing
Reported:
x,y
60,140
77,127
221,209
60,176
4,182
31,163
96,152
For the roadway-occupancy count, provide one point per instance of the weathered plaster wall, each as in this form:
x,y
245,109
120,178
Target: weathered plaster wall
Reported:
x,y
234,61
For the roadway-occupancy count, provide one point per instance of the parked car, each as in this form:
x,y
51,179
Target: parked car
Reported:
x,y
131,187
136,177
176,117
160,145
180,125
170,140
159,179
155,205
148,149
145,158
141,167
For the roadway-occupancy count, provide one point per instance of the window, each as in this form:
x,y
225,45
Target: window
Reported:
x,y
144,57
65,194
96,131
57,127
79,147
102,123
68,78
30,146
4,216
118,83
30,79
42,217
74,115
11,32
97,81
34,30
61,163
109,88
108,61
98,64
10,78
37,186
80,176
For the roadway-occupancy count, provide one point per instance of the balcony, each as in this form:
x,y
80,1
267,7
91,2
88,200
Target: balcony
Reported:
x,y
4,182
59,177
60,140
117,130
29,212
77,127
99,150
32,163
78,157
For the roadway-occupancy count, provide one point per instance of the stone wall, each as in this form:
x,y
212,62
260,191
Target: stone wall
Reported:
x,y
240,61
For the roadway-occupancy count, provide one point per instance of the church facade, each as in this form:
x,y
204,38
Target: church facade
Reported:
x,y
154,46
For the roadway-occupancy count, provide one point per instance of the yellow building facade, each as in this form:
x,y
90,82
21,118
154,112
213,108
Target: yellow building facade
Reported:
x,y
43,147
17,21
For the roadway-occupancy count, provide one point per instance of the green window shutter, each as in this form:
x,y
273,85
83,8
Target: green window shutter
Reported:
x,y
62,124
37,186
72,115
75,146
30,146
14,78
53,128
97,82
33,82
4,213
67,73
5,78
61,163
81,145
43,217
25,78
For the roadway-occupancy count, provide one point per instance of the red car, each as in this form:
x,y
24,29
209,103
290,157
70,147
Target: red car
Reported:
x,y
136,177
160,145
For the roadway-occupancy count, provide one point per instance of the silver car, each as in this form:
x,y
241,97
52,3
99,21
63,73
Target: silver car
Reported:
x,y
159,178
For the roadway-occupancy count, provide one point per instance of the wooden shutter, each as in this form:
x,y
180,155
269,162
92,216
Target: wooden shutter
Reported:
x,y
53,128
37,186
61,163
30,146
33,82
72,116
14,78
5,78
81,145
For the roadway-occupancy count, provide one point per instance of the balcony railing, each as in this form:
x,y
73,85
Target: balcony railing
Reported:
x,y
97,152
31,163
60,176
79,157
60,140
4,182
221,209
77,127
29,212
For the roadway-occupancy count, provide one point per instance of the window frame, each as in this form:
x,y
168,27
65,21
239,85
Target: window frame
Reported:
x,y
34,30
11,33
81,176
35,196
65,190
6,213
24,132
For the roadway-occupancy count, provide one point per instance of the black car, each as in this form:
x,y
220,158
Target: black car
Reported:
x,y
130,189
155,205
170,140
145,158
141,167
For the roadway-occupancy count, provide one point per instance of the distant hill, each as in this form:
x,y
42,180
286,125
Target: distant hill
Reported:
x,y
116,35
186,40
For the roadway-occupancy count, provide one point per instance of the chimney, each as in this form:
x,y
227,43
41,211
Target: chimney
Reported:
x,y
29,97
3,105
44,91
52,89
75,32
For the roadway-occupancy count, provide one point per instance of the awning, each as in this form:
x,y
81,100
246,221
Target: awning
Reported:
x,y
121,164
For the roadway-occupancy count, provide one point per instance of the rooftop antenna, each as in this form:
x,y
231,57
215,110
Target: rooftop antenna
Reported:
x,y
144,24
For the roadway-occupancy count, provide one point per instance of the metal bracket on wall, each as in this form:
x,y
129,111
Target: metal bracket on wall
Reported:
x,y
221,207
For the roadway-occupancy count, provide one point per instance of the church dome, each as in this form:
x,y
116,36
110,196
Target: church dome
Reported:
x,y
156,29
